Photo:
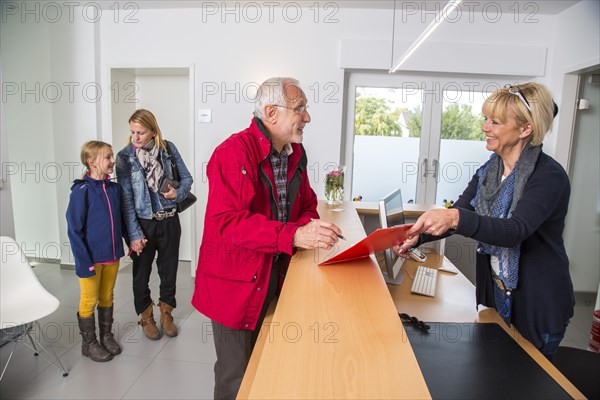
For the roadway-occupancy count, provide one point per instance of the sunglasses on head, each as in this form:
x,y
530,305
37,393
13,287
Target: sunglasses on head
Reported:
x,y
517,92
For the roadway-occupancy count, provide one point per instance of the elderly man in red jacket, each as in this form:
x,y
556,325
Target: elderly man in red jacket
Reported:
x,y
260,208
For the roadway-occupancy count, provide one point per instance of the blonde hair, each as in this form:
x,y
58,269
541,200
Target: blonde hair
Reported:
x,y
148,121
92,150
505,103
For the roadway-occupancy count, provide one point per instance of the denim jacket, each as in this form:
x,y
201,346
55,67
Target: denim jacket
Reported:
x,y
136,201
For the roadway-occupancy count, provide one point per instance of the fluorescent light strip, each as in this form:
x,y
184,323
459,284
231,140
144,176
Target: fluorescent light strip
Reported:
x,y
448,8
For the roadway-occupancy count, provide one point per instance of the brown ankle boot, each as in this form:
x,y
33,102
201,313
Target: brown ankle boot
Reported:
x,y
166,319
89,344
149,324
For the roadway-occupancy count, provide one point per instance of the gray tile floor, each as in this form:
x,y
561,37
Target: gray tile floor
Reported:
x,y
578,331
169,368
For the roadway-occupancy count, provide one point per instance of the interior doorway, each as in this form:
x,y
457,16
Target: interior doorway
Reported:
x,y
168,94
582,227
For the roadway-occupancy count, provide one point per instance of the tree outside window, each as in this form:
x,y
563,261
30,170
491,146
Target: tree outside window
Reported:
x,y
374,117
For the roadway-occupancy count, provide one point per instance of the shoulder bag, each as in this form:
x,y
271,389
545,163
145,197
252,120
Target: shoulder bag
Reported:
x,y
190,199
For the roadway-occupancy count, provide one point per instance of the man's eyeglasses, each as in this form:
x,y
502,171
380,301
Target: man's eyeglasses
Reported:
x,y
297,110
515,90
419,324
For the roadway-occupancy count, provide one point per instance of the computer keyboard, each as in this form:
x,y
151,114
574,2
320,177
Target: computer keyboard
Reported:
x,y
425,281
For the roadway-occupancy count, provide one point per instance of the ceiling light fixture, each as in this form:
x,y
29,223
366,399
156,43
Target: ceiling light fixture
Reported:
x,y
442,16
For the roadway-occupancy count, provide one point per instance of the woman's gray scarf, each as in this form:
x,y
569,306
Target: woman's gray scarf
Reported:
x,y
148,156
497,198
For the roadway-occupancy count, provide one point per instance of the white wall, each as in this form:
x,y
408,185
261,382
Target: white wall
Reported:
x,y
232,53
72,49
29,128
123,103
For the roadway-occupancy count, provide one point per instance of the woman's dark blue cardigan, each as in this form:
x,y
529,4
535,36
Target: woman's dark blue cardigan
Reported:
x,y
543,300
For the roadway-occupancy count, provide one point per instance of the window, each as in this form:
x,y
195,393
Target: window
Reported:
x,y
422,135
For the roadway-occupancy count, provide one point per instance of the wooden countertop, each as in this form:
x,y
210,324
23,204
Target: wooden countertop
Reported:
x,y
335,331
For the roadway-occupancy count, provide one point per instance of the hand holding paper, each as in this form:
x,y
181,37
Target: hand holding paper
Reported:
x,y
379,240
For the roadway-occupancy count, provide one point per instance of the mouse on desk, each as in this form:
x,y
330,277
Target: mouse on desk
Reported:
x,y
417,255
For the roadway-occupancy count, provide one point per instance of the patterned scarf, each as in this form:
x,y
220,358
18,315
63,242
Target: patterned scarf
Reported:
x,y
498,199
148,156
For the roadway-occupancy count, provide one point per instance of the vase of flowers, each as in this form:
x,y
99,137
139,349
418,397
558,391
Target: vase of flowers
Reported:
x,y
334,186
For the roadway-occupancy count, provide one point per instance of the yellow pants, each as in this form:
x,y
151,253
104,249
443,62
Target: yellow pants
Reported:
x,y
98,289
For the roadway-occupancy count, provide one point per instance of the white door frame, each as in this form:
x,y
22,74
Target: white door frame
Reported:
x,y
566,123
107,124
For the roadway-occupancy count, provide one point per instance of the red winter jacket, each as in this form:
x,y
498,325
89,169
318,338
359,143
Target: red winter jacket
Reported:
x,y
241,231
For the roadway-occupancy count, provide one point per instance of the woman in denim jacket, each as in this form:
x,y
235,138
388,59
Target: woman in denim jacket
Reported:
x,y
149,204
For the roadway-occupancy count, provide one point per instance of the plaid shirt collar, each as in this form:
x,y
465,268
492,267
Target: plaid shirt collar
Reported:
x,y
279,164
287,150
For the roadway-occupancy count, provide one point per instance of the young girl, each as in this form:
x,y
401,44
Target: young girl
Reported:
x,y
94,227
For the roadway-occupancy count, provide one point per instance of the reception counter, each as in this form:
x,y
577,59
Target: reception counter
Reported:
x,y
335,331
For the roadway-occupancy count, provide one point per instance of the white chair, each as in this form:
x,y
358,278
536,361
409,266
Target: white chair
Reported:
x,y
23,302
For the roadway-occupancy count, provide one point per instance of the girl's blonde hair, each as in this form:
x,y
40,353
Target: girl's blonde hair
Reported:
x,y
148,121
91,150
506,102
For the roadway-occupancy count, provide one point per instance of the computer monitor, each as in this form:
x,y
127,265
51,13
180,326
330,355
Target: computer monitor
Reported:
x,y
391,214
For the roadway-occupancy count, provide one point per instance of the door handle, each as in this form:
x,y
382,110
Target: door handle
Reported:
x,y
424,168
436,165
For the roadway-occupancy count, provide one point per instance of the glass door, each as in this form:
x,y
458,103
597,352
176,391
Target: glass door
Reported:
x,y
420,134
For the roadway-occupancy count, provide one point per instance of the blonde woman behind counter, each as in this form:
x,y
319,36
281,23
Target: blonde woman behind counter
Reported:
x,y
515,208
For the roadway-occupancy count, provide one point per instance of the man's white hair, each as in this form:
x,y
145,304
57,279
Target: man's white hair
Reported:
x,y
272,92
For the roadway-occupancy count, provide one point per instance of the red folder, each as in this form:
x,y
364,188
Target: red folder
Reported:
x,y
381,239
